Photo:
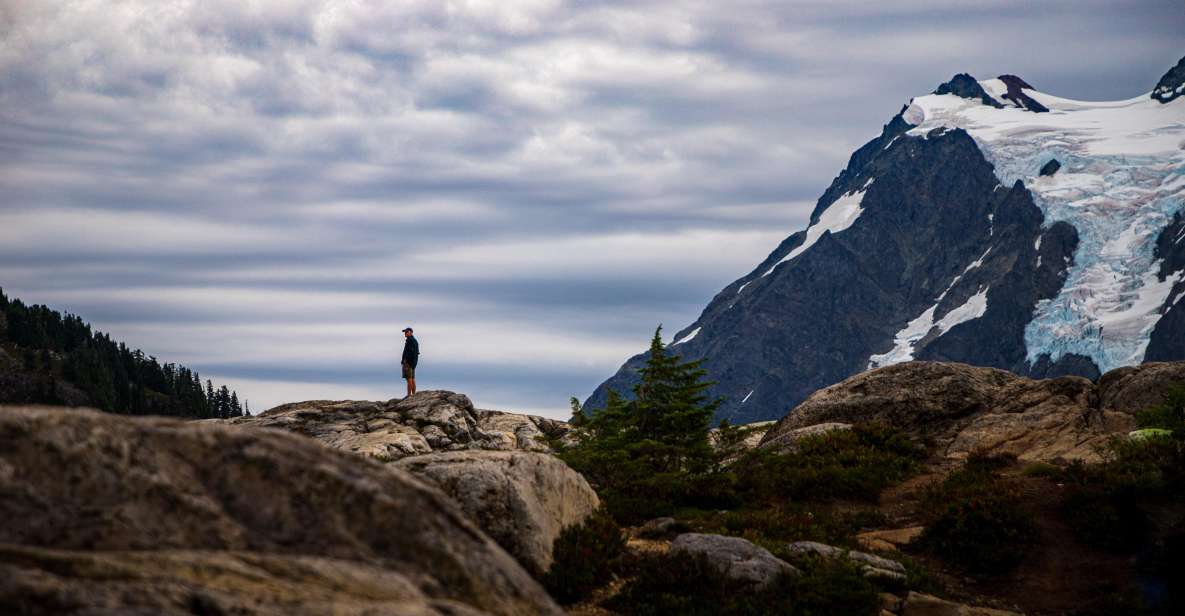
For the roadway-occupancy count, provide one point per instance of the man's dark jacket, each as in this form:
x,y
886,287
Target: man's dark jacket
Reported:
x,y
411,351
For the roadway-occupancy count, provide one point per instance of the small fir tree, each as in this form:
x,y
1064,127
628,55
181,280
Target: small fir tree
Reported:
x,y
644,454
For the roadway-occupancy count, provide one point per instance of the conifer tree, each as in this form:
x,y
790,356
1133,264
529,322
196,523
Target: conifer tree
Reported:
x,y
642,454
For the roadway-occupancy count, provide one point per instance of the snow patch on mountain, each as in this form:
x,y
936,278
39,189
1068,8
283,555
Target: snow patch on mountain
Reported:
x,y
838,216
690,335
923,326
1121,182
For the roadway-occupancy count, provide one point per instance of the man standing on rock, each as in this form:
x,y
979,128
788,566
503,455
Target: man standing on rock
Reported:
x,y
411,357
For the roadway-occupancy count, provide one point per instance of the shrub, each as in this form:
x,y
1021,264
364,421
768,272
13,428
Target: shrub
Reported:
x,y
975,520
584,558
1169,415
1106,503
688,585
1041,469
775,525
850,464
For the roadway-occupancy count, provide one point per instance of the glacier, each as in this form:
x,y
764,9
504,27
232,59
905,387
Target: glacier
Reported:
x,y
1121,182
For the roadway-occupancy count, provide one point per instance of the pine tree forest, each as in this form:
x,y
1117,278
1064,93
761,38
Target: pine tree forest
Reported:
x,y
50,358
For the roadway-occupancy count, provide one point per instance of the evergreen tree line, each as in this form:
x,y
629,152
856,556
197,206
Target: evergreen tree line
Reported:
x,y
115,378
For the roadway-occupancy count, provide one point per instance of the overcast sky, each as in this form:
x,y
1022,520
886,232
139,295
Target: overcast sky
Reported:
x,y
268,192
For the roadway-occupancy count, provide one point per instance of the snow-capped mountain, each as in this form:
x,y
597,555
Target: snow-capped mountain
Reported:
x,y
989,223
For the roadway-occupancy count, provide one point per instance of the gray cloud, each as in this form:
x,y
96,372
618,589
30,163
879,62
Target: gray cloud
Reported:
x,y
269,191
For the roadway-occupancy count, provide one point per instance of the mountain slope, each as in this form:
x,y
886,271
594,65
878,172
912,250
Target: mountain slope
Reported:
x,y
952,237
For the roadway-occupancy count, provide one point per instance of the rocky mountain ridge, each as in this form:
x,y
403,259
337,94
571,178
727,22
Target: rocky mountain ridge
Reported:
x,y
952,237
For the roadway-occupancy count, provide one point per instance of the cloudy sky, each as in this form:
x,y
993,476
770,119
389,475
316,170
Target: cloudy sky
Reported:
x,y
269,191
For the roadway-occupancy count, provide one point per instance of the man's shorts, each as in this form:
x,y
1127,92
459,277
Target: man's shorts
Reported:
x,y
409,371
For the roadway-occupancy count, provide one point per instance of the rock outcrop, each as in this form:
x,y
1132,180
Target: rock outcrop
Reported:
x,y
919,604
108,514
427,422
871,565
966,86
735,558
788,440
520,499
967,408
1171,85
44,581
890,539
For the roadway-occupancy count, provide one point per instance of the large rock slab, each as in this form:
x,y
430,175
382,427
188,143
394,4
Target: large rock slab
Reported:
x,y
521,499
427,422
41,581
919,604
871,565
1042,420
1138,388
735,558
96,485
968,408
789,439
913,396
888,540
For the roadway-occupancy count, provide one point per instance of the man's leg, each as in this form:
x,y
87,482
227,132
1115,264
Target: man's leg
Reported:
x,y
411,386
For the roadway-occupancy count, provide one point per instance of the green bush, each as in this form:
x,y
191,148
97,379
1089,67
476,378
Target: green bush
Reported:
x,y
975,520
851,464
689,586
1106,503
778,524
1169,415
584,558
1042,469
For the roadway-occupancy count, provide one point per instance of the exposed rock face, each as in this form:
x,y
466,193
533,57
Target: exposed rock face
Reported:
x,y
966,86
428,421
1167,342
914,396
520,499
735,558
92,498
1050,168
919,604
871,565
1138,388
889,540
967,408
42,581
1172,84
1016,94
788,440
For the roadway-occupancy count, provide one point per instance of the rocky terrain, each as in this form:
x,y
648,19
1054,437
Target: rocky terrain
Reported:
x,y
969,408
523,500
112,515
968,231
430,421
428,506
